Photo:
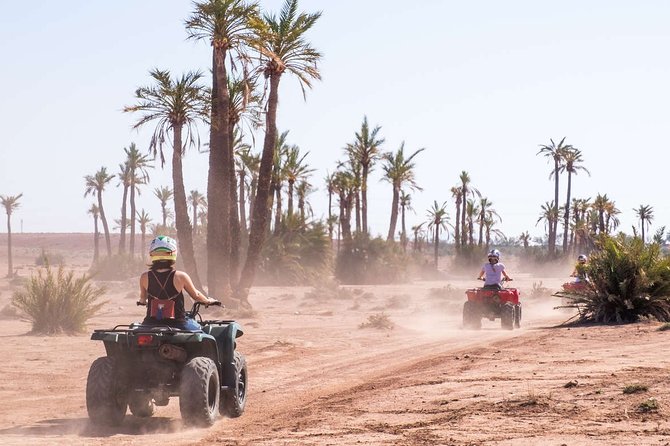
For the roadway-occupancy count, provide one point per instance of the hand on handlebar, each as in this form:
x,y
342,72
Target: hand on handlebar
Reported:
x,y
142,304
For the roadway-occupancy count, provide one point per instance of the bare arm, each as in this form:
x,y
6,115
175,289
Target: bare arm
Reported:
x,y
185,283
144,284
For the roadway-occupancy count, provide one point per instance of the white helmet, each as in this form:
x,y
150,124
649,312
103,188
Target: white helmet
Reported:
x,y
163,248
582,258
494,253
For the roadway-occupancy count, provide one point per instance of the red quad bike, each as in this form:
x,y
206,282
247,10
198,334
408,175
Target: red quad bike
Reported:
x,y
491,304
575,287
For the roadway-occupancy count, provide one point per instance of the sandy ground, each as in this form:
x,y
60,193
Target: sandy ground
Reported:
x,y
317,378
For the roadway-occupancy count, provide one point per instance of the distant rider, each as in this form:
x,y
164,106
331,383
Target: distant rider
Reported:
x,y
161,288
580,269
493,271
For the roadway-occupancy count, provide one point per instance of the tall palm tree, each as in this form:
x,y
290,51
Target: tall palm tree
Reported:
x,y
343,186
471,210
10,203
646,214
572,159
365,150
549,214
124,180
466,191
303,189
437,218
138,165
399,171
417,230
489,223
554,152
524,238
95,185
95,212
485,211
176,105
143,220
330,189
226,26
284,49
164,195
405,204
195,201
457,195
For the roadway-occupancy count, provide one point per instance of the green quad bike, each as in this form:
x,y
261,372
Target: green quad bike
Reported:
x,y
146,365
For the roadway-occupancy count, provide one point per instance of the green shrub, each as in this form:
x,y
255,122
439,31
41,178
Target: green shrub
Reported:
x,y
628,280
58,302
298,254
650,405
371,261
635,388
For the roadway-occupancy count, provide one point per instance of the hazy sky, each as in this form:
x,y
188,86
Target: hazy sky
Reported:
x,y
479,84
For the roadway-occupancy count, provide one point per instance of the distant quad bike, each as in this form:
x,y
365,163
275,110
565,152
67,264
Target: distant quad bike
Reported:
x,y
492,304
146,365
575,287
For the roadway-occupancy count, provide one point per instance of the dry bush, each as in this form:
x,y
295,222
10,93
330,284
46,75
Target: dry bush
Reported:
x,y
650,405
9,311
635,388
329,290
539,291
380,321
49,258
58,302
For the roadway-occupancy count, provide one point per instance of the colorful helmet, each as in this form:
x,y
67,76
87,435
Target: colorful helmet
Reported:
x,y
495,254
163,248
582,258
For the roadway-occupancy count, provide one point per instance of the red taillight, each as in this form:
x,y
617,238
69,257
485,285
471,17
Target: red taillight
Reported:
x,y
145,340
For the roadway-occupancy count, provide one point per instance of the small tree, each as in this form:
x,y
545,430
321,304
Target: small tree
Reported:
x,y
10,203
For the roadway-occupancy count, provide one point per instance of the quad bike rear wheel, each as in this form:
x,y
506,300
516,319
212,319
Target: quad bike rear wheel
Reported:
x,y
507,313
199,392
234,400
106,401
517,316
472,317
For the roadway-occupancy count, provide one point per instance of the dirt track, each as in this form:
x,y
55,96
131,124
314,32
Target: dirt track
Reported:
x,y
316,378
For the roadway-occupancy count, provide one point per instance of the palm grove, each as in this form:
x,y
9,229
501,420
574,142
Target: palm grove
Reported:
x,y
255,214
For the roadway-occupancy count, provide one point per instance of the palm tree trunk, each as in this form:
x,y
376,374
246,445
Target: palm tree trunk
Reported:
x,y
132,218
278,208
552,240
394,213
403,235
260,217
436,243
357,197
566,218
96,239
364,196
124,220
184,230
330,215
458,225
464,235
10,263
234,216
218,193
195,218
243,209
108,240
482,216
289,206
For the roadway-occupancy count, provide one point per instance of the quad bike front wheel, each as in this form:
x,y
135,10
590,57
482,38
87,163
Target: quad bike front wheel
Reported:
x,y
106,401
472,317
199,392
234,400
507,314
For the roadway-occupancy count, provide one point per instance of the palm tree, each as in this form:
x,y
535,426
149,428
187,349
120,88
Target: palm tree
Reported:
x,y
226,26
10,203
176,105
525,239
164,194
365,150
405,204
143,220
437,218
303,189
343,186
457,195
331,221
485,211
398,171
471,210
95,185
572,158
549,214
554,152
124,180
95,212
138,165
466,190
417,230
196,200
282,44
295,169
646,214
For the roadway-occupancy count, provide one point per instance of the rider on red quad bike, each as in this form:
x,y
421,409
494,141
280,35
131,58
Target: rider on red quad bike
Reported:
x,y
493,272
